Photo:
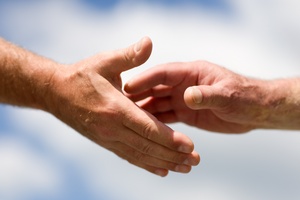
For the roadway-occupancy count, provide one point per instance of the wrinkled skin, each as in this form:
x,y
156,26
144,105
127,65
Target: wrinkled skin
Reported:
x,y
203,95
87,96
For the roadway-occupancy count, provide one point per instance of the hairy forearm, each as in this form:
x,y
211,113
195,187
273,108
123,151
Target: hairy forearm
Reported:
x,y
24,76
282,103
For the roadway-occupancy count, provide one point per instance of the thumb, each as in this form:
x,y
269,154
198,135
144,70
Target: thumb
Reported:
x,y
130,57
204,97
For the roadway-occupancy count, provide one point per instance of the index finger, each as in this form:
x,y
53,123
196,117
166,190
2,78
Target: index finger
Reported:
x,y
169,74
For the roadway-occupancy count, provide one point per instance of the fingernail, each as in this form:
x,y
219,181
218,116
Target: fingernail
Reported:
x,y
138,46
196,95
185,148
191,161
183,168
161,172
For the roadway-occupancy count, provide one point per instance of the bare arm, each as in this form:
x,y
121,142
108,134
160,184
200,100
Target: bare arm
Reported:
x,y
87,96
211,97
281,104
24,76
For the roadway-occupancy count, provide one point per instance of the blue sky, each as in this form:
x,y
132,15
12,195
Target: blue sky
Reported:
x,y
41,158
221,5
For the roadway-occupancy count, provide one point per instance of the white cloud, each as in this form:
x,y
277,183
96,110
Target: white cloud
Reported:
x,y
233,167
23,170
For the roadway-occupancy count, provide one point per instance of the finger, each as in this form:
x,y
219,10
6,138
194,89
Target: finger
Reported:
x,y
156,105
167,117
204,97
147,126
164,115
158,171
138,157
124,59
157,91
147,148
162,74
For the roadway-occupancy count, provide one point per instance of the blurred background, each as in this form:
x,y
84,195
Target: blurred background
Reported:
x,y
41,158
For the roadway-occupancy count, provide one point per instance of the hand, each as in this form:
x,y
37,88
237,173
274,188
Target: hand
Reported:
x,y
200,94
88,97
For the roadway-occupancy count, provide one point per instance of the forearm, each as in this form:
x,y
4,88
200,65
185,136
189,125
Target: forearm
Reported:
x,y
282,103
24,76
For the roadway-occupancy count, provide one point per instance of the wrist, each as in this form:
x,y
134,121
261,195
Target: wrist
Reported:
x,y
42,77
281,104
53,85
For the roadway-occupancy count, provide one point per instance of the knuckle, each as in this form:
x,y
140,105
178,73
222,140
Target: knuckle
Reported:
x,y
138,156
178,158
147,148
171,166
148,130
127,58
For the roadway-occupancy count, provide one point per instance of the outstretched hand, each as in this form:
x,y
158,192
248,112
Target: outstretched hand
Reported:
x,y
88,97
200,94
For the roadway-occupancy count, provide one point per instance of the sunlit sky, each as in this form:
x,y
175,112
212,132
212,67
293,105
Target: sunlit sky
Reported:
x,y
41,158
